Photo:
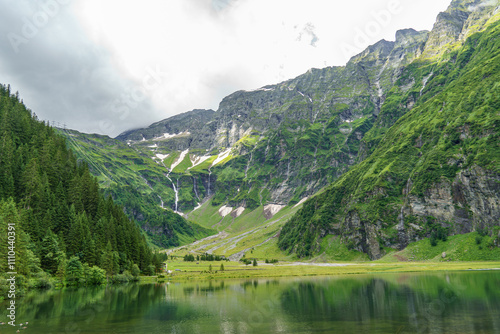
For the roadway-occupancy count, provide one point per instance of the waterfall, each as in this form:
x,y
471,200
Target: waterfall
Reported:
x,y
195,188
401,219
424,82
248,165
173,186
162,205
175,190
209,173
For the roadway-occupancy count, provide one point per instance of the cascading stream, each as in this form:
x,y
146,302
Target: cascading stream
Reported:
x,y
175,190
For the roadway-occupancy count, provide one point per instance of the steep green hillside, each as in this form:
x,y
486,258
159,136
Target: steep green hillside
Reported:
x,y
52,215
434,172
139,184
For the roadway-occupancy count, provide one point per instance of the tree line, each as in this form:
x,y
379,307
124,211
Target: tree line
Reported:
x,y
61,219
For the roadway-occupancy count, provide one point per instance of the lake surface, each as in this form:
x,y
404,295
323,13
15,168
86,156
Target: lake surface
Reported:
x,y
453,302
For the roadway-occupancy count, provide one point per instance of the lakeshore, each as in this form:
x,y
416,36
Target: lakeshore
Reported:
x,y
183,271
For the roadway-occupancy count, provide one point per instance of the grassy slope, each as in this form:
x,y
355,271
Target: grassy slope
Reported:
x,y
250,232
374,187
465,247
136,182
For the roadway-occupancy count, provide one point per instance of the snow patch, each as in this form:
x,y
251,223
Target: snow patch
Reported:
x,y
195,160
304,95
178,161
260,89
162,156
272,209
300,202
221,157
238,212
168,135
225,210
153,146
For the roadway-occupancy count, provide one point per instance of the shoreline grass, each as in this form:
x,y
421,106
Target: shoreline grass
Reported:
x,y
189,271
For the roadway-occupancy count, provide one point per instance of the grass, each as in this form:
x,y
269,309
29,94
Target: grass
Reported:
x,y
333,248
462,247
251,232
194,271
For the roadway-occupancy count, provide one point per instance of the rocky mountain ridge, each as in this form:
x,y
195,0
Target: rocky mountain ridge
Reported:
x,y
433,172
280,144
286,127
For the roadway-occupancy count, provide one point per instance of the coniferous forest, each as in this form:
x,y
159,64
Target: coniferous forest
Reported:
x,y
65,229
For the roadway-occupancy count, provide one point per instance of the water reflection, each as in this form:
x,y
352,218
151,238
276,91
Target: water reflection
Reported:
x,y
463,302
401,303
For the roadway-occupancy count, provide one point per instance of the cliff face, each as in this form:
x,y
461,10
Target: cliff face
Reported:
x,y
470,200
457,23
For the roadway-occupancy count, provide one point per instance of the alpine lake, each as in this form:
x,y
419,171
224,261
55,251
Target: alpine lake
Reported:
x,y
427,302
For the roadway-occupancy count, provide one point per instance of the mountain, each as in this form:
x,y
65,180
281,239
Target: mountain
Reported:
x,y
331,135
136,182
276,141
435,171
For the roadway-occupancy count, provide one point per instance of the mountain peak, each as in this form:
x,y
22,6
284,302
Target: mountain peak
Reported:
x,y
459,21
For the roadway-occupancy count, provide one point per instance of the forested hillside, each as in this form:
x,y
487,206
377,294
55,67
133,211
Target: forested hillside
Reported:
x,y
61,219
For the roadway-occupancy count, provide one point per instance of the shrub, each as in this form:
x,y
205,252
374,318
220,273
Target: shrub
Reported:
x,y
150,270
272,261
96,276
42,281
122,278
246,261
482,232
189,257
135,270
433,240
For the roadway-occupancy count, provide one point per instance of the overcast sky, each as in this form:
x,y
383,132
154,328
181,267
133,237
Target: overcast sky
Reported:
x,y
106,66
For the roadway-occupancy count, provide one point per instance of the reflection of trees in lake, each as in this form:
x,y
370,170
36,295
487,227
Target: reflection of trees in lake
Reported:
x,y
418,303
201,289
79,308
444,302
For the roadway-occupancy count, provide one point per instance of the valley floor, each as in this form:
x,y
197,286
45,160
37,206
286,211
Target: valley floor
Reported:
x,y
183,271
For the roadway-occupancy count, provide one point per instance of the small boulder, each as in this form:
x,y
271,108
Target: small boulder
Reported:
x,y
443,255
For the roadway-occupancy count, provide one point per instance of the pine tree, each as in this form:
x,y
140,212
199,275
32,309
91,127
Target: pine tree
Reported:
x,y
74,271
50,254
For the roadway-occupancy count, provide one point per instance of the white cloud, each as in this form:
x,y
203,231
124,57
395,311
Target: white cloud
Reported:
x,y
206,49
